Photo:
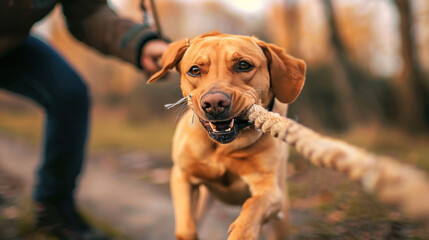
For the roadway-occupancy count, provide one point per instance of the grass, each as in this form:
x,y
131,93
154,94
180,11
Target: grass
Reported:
x,y
112,132
406,148
336,208
25,125
109,130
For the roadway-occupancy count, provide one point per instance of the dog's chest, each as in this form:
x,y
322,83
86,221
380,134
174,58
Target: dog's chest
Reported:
x,y
215,165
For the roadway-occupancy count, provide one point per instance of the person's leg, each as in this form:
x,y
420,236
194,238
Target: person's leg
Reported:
x,y
39,73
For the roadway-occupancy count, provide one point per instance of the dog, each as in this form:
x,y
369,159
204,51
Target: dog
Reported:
x,y
222,76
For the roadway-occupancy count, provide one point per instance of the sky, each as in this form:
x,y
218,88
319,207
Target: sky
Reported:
x,y
248,6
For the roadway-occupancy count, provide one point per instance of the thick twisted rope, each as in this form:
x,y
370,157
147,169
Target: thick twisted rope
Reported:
x,y
394,183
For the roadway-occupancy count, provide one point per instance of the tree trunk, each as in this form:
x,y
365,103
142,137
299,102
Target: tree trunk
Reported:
x,y
342,73
292,21
410,85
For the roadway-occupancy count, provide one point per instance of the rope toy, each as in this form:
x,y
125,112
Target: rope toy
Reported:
x,y
400,185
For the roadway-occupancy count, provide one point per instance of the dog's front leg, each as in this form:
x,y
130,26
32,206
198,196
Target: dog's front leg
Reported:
x,y
266,201
181,191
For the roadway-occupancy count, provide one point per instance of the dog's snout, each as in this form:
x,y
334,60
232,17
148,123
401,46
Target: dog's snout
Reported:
x,y
212,101
216,104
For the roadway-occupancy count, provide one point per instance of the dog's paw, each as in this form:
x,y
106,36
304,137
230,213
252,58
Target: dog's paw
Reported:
x,y
239,232
231,227
181,236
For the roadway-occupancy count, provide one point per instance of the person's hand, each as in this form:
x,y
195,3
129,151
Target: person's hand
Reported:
x,y
151,56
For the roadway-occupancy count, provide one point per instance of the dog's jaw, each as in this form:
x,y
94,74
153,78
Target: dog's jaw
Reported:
x,y
224,131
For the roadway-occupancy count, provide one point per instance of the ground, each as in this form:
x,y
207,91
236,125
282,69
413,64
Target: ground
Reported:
x,y
127,195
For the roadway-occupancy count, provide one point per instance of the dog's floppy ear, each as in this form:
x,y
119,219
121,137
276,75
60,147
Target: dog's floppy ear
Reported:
x,y
171,58
287,74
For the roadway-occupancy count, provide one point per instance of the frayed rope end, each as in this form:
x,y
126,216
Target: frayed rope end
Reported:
x,y
182,100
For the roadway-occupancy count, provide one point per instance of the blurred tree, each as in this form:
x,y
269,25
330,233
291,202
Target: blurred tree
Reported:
x,y
280,32
341,92
363,96
292,17
326,101
342,66
412,91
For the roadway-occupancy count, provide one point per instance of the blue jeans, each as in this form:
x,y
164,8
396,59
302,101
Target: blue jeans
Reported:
x,y
37,72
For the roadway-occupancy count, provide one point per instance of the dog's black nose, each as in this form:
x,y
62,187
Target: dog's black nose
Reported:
x,y
216,105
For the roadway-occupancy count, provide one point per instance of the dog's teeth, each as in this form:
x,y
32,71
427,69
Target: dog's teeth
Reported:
x,y
231,124
213,127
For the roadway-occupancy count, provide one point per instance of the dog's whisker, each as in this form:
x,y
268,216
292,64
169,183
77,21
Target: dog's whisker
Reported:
x,y
182,109
193,117
193,110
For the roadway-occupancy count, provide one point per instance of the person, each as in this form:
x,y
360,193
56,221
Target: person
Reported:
x,y
31,68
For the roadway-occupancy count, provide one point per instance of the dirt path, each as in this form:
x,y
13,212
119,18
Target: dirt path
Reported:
x,y
129,192
137,208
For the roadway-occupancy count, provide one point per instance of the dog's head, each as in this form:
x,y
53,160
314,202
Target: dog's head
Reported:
x,y
226,74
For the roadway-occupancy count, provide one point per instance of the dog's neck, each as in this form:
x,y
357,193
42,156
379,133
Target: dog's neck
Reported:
x,y
271,105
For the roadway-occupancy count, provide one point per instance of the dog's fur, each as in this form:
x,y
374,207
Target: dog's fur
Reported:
x,y
247,168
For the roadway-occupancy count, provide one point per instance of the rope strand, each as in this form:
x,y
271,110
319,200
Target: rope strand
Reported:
x,y
182,100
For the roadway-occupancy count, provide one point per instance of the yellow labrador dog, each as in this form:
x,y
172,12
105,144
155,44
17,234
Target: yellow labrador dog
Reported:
x,y
221,77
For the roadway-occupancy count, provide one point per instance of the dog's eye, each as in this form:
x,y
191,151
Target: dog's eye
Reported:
x,y
244,66
194,71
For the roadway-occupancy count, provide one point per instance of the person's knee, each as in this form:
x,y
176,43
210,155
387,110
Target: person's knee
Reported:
x,y
73,99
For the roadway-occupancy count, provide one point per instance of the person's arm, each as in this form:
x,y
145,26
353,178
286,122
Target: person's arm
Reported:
x,y
94,23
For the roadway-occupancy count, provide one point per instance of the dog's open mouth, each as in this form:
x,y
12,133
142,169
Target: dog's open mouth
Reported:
x,y
224,131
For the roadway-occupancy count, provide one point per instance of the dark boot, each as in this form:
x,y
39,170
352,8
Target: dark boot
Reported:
x,y
64,222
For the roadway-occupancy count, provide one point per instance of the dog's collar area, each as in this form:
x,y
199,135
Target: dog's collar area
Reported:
x,y
271,105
